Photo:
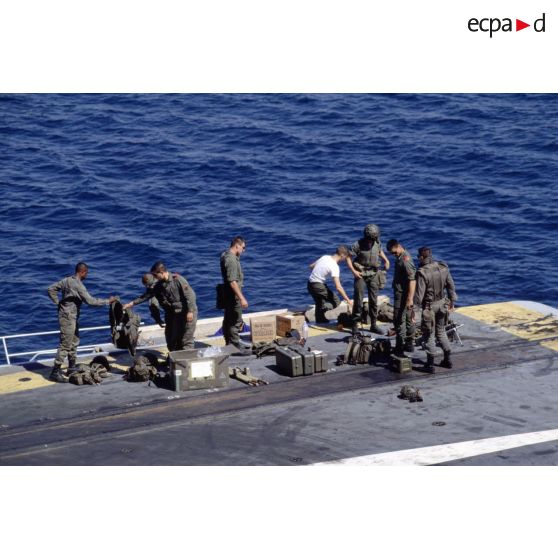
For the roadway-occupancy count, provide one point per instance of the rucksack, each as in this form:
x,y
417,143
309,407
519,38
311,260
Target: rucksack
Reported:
x,y
145,368
84,374
385,312
363,349
344,320
124,327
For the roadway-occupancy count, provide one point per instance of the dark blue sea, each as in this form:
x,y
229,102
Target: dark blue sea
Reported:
x,y
121,181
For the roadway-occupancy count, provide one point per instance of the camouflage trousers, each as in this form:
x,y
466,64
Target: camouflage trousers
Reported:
x,y
402,322
179,333
232,321
69,337
372,286
433,327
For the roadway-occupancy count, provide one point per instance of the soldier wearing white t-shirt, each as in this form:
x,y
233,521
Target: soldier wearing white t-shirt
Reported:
x,y
324,297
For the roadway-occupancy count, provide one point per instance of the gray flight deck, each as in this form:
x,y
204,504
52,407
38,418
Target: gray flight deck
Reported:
x,y
502,385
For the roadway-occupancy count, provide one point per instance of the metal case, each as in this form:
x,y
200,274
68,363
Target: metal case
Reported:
x,y
289,362
190,371
308,359
401,364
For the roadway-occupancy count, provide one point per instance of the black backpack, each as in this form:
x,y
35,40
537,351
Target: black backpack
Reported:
x,y
124,326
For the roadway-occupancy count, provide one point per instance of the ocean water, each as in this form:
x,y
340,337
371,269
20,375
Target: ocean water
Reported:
x,y
121,181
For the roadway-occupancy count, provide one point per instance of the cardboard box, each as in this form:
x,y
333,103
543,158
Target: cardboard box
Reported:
x,y
263,328
286,322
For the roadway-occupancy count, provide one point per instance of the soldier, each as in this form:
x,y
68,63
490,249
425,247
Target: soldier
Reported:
x,y
73,294
324,297
366,269
178,300
434,280
234,300
404,283
154,308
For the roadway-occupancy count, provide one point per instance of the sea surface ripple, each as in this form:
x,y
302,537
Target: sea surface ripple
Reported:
x,y
121,181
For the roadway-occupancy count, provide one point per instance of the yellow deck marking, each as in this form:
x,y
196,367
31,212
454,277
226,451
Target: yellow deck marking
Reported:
x,y
551,344
510,317
11,383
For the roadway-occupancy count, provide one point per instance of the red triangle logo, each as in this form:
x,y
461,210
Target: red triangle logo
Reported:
x,y
519,25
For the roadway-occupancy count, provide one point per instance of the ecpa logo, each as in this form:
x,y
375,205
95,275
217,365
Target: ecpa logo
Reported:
x,y
494,24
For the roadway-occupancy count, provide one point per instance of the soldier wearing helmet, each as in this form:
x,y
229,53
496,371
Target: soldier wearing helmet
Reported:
x,y
364,264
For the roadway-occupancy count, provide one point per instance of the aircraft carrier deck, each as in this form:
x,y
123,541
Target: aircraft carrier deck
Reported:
x,y
498,406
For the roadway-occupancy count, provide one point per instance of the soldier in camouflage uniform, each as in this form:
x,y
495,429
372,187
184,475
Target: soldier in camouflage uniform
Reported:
x,y
366,269
235,301
404,283
178,300
73,294
434,281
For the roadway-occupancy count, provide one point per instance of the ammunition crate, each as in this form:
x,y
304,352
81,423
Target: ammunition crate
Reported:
x,y
289,362
308,359
190,371
320,361
402,365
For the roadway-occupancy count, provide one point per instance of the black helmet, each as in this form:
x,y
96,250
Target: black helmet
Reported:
x,y
372,232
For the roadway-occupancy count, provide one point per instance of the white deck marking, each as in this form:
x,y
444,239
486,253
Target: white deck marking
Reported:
x,y
432,455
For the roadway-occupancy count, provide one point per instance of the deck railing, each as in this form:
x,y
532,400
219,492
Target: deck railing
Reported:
x,y
35,354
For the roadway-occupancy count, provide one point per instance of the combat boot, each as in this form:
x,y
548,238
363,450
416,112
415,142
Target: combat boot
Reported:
x,y
409,346
375,329
447,363
58,376
429,366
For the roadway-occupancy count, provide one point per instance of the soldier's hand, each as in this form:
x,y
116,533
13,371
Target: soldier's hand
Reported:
x,y
243,302
357,274
413,316
189,316
128,305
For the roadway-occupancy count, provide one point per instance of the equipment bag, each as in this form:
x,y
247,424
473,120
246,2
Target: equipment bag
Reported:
x,y
83,374
124,327
265,348
385,312
145,368
363,349
344,320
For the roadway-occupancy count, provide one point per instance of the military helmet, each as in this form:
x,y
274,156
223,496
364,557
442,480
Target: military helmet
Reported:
x,y
372,231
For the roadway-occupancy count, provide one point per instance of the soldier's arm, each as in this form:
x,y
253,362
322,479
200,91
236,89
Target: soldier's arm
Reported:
x,y
140,299
238,293
341,290
420,289
53,291
355,272
189,294
450,287
91,300
411,296
386,261
411,276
